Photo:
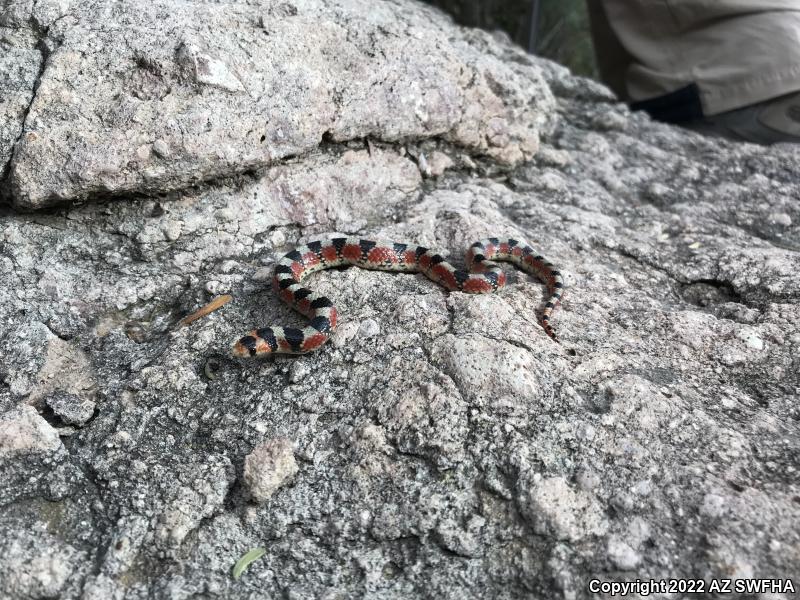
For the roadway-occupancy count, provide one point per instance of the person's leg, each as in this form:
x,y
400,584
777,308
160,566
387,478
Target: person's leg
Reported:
x,y
727,66
610,55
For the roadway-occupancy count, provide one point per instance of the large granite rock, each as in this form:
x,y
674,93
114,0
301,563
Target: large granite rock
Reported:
x,y
151,97
443,445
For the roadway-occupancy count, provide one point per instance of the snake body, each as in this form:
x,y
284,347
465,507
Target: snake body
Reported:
x,y
482,277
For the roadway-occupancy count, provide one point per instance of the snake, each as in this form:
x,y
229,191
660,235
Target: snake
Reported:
x,y
482,276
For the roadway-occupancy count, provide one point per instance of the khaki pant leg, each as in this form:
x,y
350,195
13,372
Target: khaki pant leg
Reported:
x,y
612,59
737,52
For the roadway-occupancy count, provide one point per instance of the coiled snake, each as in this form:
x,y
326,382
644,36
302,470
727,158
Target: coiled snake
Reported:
x,y
482,277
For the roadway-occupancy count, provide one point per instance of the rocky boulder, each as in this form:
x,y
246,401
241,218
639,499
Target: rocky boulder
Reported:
x,y
441,443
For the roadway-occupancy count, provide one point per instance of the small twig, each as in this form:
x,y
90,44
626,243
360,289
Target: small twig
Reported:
x,y
215,304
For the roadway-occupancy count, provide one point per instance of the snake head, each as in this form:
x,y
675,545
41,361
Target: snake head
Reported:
x,y
258,342
250,345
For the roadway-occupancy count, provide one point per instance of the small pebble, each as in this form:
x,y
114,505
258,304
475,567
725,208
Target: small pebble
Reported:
x,y
70,408
439,163
298,371
143,152
263,274
713,506
553,157
782,219
586,432
750,338
622,555
268,467
172,230
610,121
587,479
369,328
277,238
161,148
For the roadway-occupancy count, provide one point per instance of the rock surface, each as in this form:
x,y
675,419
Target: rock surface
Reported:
x,y
443,443
23,431
194,91
268,467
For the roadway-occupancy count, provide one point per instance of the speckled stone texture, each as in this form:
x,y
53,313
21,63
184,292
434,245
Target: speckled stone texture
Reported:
x,y
443,445
152,96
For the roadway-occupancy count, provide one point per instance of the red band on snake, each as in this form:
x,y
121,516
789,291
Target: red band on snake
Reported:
x,y
482,277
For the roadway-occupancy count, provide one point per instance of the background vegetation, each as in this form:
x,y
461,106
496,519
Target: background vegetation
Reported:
x,y
562,33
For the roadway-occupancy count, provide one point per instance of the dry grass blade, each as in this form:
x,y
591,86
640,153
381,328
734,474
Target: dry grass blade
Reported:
x,y
215,304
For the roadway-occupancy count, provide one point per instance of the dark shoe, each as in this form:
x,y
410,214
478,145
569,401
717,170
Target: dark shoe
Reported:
x,y
770,122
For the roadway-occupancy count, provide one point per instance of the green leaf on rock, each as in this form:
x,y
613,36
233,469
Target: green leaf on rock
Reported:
x,y
245,561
